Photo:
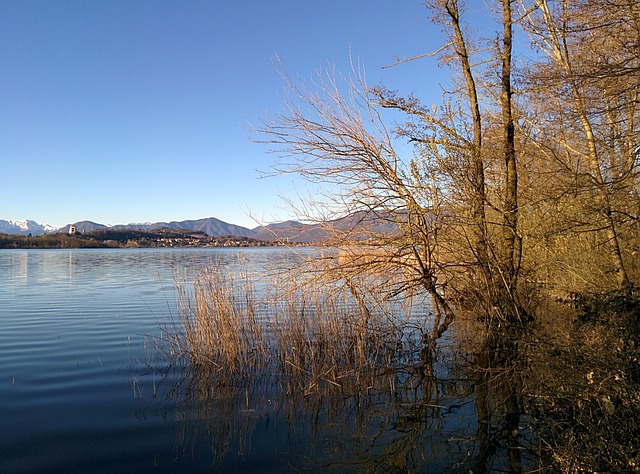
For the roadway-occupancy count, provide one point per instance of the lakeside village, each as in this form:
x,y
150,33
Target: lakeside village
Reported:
x,y
130,238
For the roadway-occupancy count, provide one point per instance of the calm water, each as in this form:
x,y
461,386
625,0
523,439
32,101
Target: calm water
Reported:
x,y
74,345
82,388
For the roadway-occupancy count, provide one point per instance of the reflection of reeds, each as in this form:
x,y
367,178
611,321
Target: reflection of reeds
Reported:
x,y
322,366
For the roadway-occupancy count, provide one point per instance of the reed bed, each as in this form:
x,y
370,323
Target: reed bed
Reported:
x,y
220,322
322,338
309,335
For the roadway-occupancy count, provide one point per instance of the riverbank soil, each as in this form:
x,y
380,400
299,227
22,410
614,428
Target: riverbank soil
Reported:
x,y
583,388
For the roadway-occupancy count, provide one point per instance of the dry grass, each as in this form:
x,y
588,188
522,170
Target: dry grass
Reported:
x,y
323,337
311,335
220,321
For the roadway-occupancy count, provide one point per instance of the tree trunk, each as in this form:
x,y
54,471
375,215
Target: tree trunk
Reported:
x,y
559,51
512,242
476,176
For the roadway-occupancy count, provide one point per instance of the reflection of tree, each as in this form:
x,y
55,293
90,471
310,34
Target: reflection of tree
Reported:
x,y
497,370
341,379
417,416
484,425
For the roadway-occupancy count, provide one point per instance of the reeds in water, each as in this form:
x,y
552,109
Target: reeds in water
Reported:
x,y
310,335
220,321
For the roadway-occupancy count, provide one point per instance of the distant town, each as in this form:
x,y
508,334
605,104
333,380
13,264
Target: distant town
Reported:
x,y
127,238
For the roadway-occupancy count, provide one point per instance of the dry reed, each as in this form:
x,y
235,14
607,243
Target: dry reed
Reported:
x,y
220,321
311,335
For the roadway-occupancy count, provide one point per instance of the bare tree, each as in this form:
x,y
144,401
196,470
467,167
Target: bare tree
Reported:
x,y
599,100
447,12
453,138
338,139
513,243
452,210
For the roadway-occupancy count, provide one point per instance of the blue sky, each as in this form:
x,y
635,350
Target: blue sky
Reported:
x,y
130,110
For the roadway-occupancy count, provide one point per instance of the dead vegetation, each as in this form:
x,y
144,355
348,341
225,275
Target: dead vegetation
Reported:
x,y
500,202
583,392
311,335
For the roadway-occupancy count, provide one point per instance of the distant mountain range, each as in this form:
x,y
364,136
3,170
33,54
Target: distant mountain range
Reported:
x,y
26,227
210,226
289,230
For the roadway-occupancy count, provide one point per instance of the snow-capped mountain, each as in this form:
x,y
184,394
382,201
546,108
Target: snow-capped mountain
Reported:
x,y
25,227
210,226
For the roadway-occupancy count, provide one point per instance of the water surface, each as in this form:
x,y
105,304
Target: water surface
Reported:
x,y
84,389
76,329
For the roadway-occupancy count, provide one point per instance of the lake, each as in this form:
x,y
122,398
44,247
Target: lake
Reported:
x,y
84,388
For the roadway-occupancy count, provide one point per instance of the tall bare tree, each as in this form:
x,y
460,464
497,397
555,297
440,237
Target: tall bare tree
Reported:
x,y
333,134
512,241
447,12
595,79
455,134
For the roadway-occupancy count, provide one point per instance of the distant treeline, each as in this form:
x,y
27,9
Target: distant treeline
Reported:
x,y
127,238
49,241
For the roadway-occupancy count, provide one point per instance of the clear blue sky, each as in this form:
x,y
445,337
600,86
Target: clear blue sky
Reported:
x,y
125,111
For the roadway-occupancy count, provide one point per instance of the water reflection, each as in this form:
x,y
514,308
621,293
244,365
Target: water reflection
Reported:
x,y
426,415
74,354
501,441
